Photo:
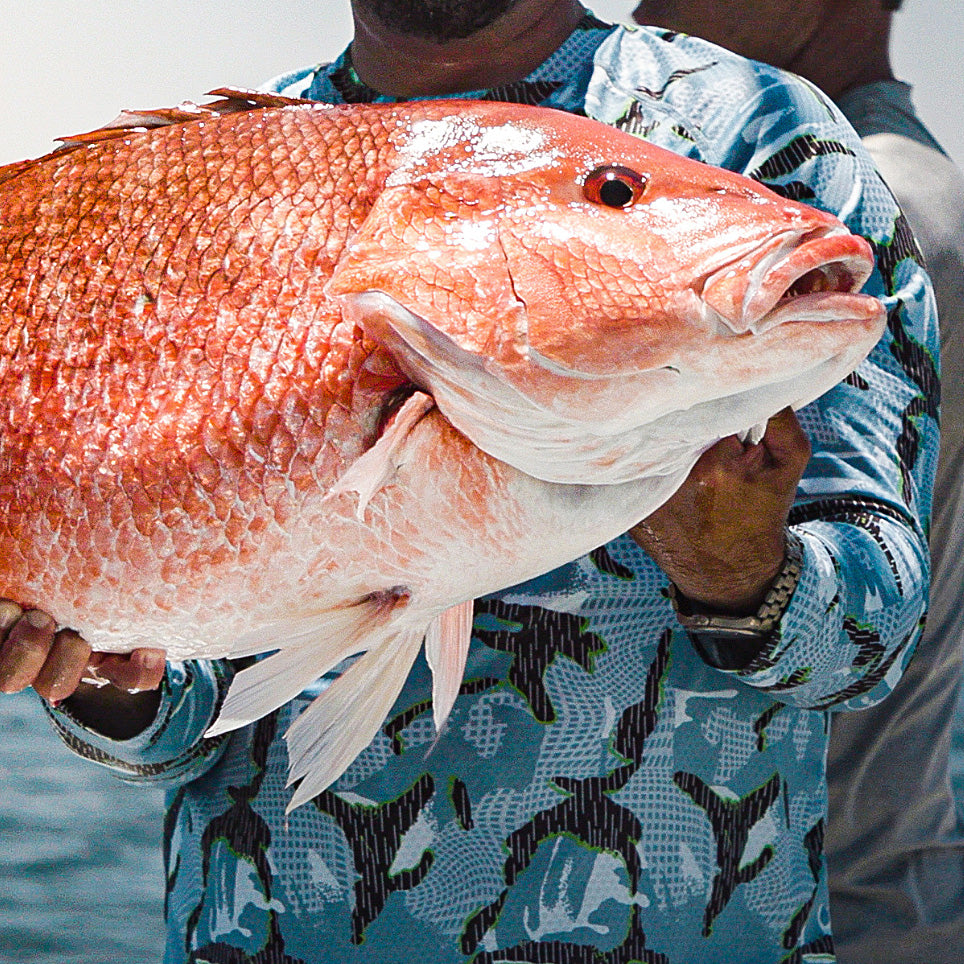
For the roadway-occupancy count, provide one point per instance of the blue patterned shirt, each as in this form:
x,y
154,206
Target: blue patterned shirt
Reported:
x,y
602,792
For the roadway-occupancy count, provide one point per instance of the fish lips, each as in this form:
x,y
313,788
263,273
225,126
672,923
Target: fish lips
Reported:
x,y
794,275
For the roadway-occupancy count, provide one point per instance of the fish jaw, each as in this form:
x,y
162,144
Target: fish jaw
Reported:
x,y
613,429
552,331
772,284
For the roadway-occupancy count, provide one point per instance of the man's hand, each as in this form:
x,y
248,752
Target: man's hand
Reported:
x,y
720,538
33,653
55,664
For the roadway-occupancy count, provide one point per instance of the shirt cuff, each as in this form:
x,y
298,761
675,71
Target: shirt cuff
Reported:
x,y
173,745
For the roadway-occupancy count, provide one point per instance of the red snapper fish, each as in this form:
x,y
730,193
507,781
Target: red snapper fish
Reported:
x,y
286,376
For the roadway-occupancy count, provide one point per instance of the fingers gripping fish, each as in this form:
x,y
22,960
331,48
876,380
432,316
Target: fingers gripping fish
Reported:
x,y
285,377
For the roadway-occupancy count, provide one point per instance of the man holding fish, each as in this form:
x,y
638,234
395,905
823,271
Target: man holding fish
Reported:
x,y
895,841
633,767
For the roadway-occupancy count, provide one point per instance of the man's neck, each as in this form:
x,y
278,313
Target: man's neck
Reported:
x,y
402,65
851,49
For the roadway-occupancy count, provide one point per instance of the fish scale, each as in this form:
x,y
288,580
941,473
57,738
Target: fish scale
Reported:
x,y
282,376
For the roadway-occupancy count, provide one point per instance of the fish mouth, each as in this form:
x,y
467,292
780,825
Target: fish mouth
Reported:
x,y
811,277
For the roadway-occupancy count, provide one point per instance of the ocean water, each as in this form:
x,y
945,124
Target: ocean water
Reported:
x,y
957,757
81,880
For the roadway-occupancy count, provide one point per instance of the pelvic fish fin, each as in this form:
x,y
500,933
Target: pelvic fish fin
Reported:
x,y
312,629
273,681
344,719
446,648
377,466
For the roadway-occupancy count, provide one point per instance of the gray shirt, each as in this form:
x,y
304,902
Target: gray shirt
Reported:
x,y
895,840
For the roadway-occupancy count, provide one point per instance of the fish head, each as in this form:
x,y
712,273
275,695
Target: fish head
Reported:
x,y
589,307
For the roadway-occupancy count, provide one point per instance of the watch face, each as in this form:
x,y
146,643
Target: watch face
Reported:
x,y
729,651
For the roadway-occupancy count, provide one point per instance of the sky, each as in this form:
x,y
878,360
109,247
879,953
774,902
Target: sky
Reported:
x,y
70,65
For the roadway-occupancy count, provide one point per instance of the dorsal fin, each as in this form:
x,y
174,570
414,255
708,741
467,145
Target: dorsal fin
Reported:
x,y
233,100
9,171
255,98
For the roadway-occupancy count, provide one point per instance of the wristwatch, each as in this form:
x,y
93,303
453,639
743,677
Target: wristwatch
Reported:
x,y
732,642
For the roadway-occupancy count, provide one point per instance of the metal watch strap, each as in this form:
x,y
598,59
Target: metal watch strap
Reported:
x,y
764,620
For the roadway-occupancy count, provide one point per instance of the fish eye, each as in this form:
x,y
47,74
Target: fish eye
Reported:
x,y
614,186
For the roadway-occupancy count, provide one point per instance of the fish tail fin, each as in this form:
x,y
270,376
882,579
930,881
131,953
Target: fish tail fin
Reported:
x,y
446,648
344,719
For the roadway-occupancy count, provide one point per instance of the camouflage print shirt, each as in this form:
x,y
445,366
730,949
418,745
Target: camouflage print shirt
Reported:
x,y
601,793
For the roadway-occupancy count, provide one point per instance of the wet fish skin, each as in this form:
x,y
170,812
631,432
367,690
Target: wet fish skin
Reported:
x,y
582,325
206,332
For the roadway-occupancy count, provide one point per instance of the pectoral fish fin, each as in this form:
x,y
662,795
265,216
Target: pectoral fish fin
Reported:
x,y
340,723
446,648
377,466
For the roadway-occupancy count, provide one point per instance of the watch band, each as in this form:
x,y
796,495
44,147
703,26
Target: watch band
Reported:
x,y
764,621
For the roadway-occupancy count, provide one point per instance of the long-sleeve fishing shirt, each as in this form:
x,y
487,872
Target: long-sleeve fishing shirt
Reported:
x,y
601,792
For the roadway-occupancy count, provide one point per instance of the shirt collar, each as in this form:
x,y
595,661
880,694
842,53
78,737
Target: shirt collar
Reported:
x,y
885,107
338,81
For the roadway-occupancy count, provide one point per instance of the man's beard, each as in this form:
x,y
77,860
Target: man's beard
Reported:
x,y
438,20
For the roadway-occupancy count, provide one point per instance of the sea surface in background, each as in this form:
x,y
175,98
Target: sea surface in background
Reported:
x,y
957,756
81,880
80,854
